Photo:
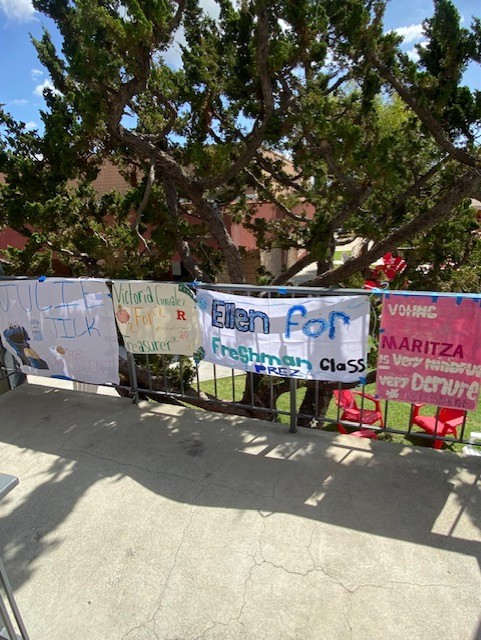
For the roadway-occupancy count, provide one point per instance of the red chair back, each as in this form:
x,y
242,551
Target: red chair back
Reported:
x,y
446,414
345,399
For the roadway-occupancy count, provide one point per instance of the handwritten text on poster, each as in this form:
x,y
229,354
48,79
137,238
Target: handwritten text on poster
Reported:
x,y
430,351
61,328
156,317
310,338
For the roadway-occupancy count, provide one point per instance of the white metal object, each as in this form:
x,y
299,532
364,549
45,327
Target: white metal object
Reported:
x,y
469,450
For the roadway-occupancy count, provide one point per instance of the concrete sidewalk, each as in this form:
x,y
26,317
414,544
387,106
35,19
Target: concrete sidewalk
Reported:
x,y
156,522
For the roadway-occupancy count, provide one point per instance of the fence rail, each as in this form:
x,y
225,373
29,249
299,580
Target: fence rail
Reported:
x,y
227,390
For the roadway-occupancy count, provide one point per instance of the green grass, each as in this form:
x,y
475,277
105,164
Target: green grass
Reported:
x,y
397,417
338,255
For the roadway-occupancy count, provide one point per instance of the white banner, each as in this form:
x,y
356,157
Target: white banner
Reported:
x,y
310,338
156,317
61,328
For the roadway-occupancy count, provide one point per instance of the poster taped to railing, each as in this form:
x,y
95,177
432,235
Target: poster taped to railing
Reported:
x,y
430,350
156,317
61,328
307,338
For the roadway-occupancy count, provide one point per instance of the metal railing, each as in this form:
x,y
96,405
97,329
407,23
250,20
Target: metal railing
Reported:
x,y
226,390
225,386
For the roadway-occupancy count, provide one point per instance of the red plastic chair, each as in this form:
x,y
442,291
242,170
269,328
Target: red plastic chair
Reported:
x,y
444,424
346,400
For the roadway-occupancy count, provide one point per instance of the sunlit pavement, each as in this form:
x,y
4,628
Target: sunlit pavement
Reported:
x,y
159,522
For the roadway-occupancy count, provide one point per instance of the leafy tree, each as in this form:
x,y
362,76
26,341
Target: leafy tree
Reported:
x,y
384,146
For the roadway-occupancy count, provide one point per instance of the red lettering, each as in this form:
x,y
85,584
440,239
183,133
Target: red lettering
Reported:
x,y
416,346
181,315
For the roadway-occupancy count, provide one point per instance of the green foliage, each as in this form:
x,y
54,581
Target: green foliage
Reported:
x,y
306,79
450,265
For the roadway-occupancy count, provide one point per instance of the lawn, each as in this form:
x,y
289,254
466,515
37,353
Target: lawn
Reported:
x,y
397,416
339,253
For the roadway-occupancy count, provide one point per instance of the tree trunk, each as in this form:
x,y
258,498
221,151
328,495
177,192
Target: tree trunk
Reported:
x,y
211,214
257,391
312,409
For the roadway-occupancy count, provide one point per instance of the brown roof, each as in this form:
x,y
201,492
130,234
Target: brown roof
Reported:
x,y
110,178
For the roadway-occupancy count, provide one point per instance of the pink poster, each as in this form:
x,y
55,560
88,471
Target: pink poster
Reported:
x,y
430,350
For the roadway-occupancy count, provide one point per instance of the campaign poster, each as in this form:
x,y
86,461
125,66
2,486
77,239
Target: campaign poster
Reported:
x,y
430,350
156,317
321,338
61,328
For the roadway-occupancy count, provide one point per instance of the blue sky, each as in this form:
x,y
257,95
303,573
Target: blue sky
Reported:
x,y
22,77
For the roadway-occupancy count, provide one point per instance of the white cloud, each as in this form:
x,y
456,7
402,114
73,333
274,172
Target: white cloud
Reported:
x,y
31,125
410,34
35,73
46,84
413,54
211,8
18,102
21,10
172,56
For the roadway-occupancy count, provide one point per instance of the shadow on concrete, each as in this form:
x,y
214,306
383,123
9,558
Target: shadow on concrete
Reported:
x,y
65,443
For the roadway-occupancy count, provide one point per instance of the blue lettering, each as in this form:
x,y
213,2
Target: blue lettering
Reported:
x,y
242,322
62,295
29,309
84,296
60,324
316,326
37,284
332,322
5,287
258,314
226,315
67,327
315,333
278,371
216,315
298,308
90,327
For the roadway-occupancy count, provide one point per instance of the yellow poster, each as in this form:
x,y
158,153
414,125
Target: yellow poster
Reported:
x,y
156,317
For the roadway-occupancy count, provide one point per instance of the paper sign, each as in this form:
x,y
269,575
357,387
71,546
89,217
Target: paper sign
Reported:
x,y
430,350
156,317
61,328
309,338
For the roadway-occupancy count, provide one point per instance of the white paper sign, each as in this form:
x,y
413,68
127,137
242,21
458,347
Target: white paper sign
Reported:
x,y
61,328
310,338
156,317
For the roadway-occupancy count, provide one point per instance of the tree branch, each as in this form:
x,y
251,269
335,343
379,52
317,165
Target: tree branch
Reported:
x,y
283,179
338,83
257,133
425,116
294,269
360,196
271,197
143,204
463,188
325,149
172,202
420,182
174,23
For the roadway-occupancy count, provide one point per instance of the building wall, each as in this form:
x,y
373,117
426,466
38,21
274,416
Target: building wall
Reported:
x,y
274,261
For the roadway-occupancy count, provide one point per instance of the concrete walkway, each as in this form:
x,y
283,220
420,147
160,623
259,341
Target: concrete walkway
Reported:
x,y
160,523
